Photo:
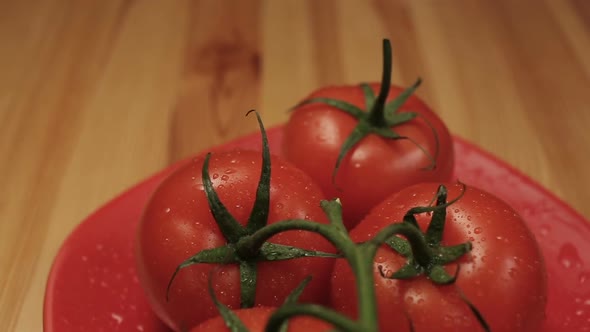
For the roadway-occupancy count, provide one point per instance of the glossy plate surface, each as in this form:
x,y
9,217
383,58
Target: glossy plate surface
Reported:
x,y
93,286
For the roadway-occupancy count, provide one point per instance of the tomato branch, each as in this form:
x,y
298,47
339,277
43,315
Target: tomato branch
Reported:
x,y
377,112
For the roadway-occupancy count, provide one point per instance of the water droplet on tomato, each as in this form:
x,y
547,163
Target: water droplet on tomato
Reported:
x,y
448,321
357,165
477,230
229,171
279,206
215,176
544,230
220,186
568,256
471,239
512,273
583,277
167,210
457,211
225,177
469,218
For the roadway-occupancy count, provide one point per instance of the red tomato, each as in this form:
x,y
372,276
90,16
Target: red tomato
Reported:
x,y
178,223
503,275
255,320
376,166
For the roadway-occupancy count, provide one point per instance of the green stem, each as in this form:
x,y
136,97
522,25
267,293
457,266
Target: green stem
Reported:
x,y
285,312
377,112
338,238
420,250
362,264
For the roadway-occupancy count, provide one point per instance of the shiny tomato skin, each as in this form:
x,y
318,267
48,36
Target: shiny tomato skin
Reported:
x,y
503,276
177,223
255,320
376,167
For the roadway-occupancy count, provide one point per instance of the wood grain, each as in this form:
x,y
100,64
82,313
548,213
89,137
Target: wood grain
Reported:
x,y
97,95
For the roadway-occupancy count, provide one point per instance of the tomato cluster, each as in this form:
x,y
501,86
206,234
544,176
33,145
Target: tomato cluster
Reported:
x,y
362,208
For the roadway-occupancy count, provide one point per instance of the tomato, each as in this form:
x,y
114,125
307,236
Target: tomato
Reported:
x,y
178,223
382,161
503,275
255,320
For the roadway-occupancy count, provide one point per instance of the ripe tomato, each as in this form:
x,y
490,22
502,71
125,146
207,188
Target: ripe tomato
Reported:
x,y
255,320
381,161
503,276
377,166
177,223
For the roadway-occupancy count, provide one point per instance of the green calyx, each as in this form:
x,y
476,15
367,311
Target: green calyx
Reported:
x,y
380,117
240,249
424,253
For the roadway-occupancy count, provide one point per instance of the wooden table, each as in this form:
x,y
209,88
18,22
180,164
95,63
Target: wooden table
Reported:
x,y
97,95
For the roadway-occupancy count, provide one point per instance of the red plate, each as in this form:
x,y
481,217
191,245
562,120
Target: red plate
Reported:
x,y
93,286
